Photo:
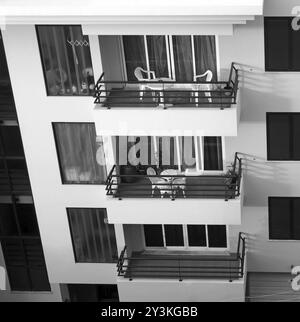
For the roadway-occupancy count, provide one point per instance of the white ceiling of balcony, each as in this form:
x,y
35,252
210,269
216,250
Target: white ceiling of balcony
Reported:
x,y
104,17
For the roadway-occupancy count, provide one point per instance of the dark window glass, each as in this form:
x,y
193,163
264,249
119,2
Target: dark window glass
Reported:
x,y
157,52
174,235
153,235
283,136
284,218
296,219
15,164
280,218
205,55
27,220
93,293
278,136
135,56
8,226
277,32
183,58
25,265
282,45
213,158
12,142
217,236
196,235
6,94
93,238
80,153
66,59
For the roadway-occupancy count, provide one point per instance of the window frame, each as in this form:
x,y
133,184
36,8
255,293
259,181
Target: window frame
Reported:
x,y
290,115
290,199
42,63
290,46
68,212
59,159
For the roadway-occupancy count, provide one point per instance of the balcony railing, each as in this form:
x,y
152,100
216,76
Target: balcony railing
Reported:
x,y
140,185
168,93
14,182
184,266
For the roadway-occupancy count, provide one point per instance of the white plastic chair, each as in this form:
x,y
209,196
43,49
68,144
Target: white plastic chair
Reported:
x,y
157,182
204,87
139,73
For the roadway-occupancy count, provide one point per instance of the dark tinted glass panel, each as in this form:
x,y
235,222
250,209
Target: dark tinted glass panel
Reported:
x,y
217,236
277,43
93,238
280,218
174,235
183,58
27,220
18,278
296,135
39,279
296,219
205,55
16,164
157,52
8,225
12,141
213,158
6,95
153,235
295,52
134,50
196,236
278,136
66,60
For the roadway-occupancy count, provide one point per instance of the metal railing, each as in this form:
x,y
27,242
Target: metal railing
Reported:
x,y
224,186
168,93
229,267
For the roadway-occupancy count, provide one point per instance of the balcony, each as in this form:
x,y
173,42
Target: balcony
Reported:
x,y
145,199
191,276
14,182
209,107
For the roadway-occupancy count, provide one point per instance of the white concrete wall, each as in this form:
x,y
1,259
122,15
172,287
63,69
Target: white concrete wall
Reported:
x,y
162,290
36,112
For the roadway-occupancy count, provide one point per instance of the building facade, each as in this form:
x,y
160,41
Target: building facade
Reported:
x,y
138,151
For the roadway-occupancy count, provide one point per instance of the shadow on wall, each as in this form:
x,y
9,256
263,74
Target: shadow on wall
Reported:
x,y
260,180
262,92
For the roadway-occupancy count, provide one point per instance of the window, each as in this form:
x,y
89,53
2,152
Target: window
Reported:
x,y
283,136
282,45
93,238
176,57
186,236
284,218
22,248
66,60
202,153
80,153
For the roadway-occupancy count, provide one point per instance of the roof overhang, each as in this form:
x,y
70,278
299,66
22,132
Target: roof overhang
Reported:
x,y
134,16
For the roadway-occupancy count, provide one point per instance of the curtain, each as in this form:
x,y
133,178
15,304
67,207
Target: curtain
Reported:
x,y
188,154
93,238
77,151
66,60
135,56
183,58
157,53
213,159
205,55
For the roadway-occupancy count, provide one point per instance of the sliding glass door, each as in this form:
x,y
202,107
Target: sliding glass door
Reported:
x,y
179,58
202,237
